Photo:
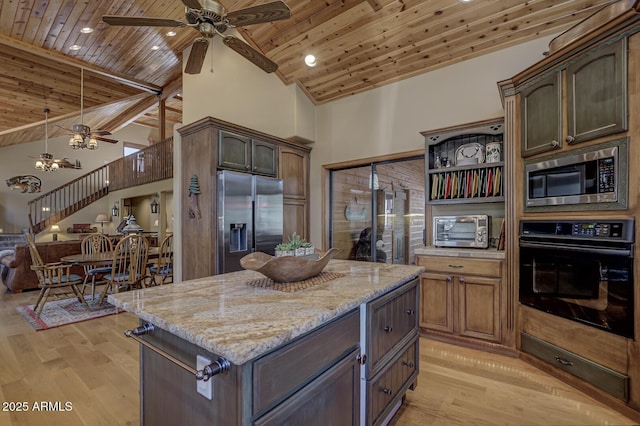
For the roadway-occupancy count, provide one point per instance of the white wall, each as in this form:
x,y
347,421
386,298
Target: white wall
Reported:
x,y
231,88
17,160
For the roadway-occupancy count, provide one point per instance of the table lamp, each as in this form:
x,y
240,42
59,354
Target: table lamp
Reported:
x,y
55,229
101,219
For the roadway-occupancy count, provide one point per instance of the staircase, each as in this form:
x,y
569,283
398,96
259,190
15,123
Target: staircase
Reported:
x,y
148,165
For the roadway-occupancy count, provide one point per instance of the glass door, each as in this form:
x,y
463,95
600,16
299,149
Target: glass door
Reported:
x,y
377,211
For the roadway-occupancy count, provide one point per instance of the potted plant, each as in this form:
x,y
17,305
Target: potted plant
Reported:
x,y
308,248
284,249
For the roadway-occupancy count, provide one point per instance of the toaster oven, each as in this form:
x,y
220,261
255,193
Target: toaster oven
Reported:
x,y
461,231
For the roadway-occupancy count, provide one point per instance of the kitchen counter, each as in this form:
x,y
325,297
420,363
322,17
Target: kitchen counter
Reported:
x,y
225,316
490,253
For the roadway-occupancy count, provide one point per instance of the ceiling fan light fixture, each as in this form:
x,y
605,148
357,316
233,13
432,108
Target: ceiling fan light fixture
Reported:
x,y
310,60
93,144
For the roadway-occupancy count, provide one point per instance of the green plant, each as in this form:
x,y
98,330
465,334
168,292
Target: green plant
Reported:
x,y
284,247
295,241
306,244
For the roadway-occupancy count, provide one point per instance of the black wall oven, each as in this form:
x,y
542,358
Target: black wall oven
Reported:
x,y
581,270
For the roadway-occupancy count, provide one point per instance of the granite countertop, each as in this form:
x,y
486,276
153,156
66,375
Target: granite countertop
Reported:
x,y
461,252
228,317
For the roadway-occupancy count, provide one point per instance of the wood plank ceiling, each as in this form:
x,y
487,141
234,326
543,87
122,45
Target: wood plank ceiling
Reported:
x,y
359,45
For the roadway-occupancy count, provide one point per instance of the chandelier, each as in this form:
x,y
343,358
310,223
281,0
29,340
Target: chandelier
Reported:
x,y
46,163
82,137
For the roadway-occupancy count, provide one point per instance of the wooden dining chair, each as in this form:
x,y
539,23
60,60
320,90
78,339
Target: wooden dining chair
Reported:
x,y
54,279
163,268
93,244
129,265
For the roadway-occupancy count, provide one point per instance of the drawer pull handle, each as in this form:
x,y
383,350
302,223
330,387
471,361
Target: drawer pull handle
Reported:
x,y
449,279
409,364
410,311
456,266
387,391
461,280
388,329
563,361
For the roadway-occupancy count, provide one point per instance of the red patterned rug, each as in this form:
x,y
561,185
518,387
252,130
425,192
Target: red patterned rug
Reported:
x,y
66,311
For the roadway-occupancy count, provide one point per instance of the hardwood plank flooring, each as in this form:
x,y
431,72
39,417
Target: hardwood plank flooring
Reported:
x,y
92,366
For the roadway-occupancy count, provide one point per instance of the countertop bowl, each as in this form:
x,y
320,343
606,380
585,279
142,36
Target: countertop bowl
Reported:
x,y
286,269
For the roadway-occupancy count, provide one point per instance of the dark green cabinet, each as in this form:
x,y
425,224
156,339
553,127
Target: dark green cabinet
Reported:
x,y
595,100
237,152
596,93
541,106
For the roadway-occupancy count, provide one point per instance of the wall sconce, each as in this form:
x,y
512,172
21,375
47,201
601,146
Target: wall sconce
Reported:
x,y
114,211
154,206
55,229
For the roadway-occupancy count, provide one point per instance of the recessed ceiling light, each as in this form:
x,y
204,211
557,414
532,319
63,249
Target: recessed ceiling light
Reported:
x,y
155,47
171,33
86,30
75,47
465,1
310,60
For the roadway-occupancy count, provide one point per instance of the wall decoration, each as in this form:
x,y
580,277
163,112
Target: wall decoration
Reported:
x,y
194,191
28,183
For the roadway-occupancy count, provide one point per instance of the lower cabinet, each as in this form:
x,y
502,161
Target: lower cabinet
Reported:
x,y
391,347
462,297
353,370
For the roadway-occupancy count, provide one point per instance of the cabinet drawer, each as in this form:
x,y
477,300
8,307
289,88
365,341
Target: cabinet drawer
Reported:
x,y
281,373
391,319
391,384
464,266
599,376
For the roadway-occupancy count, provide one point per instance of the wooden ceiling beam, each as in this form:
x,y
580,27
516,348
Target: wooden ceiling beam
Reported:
x,y
48,54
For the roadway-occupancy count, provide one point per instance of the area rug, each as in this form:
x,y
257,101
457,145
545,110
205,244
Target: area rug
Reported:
x,y
66,311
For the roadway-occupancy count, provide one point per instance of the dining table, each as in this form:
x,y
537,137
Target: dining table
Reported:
x,y
101,258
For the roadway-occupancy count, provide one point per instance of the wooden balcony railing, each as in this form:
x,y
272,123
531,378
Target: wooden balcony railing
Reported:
x,y
149,165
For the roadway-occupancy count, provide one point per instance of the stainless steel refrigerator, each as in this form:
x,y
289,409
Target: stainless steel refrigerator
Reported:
x,y
249,217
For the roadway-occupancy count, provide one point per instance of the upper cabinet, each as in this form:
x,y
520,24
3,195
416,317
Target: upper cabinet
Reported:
x,y
541,105
245,154
594,100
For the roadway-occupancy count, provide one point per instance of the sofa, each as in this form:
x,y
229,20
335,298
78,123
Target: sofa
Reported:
x,y
16,271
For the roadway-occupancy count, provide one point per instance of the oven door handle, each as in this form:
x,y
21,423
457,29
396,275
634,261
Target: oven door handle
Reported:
x,y
579,249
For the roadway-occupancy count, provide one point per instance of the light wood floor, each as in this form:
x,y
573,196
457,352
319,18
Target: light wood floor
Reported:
x,y
92,366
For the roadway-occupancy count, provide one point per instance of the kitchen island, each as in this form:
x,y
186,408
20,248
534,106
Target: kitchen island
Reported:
x,y
343,351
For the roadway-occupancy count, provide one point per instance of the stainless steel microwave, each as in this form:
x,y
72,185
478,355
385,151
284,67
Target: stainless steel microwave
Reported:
x,y
461,231
587,177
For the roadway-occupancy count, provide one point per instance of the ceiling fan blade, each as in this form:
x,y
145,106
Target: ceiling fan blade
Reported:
x,y
267,12
100,138
100,132
197,55
250,53
192,4
141,21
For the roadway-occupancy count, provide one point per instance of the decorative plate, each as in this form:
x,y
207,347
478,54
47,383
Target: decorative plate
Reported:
x,y
471,153
286,269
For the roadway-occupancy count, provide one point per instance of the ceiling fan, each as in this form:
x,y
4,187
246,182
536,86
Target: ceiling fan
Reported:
x,y
81,135
210,18
46,162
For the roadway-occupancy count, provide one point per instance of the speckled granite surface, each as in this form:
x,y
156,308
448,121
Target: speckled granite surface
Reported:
x,y
224,315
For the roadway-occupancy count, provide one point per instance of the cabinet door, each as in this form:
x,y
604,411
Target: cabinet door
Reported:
x,y
295,218
541,110
479,307
234,151
264,158
436,307
331,399
294,172
596,93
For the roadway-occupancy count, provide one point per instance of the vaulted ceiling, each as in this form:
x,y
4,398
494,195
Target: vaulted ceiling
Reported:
x,y
359,45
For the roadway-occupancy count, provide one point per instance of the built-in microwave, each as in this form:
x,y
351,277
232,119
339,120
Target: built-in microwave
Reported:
x,y
461,231
589,176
